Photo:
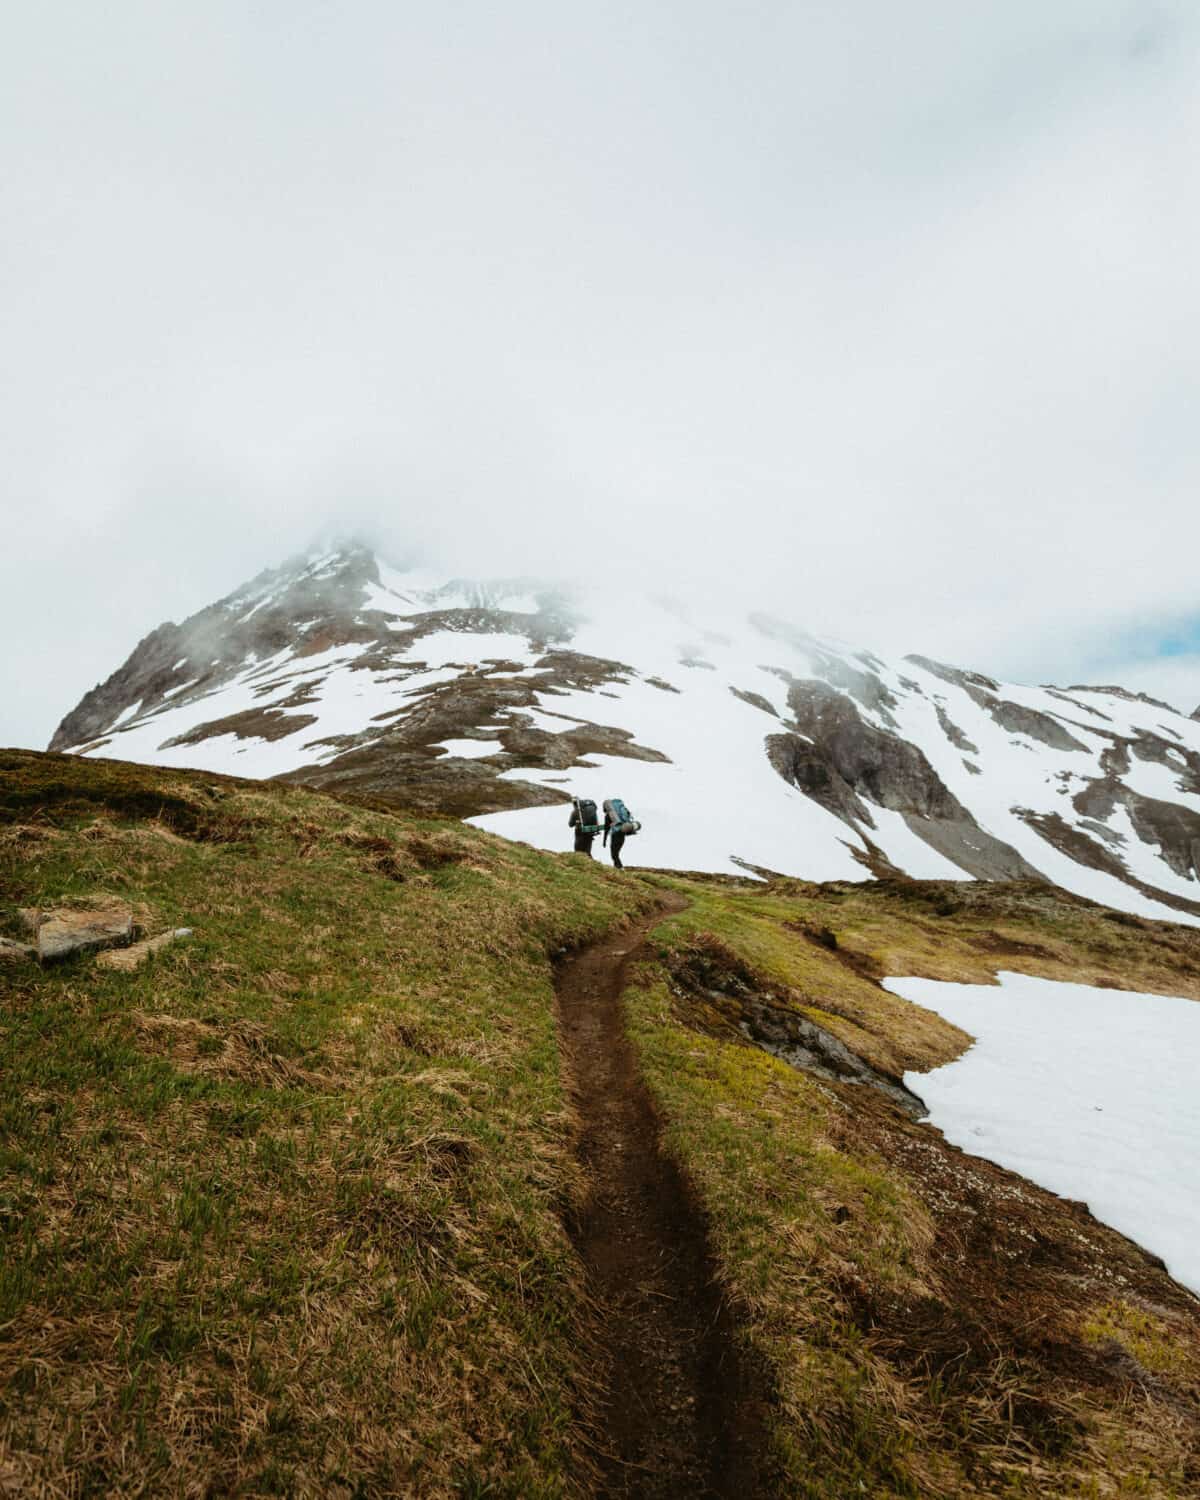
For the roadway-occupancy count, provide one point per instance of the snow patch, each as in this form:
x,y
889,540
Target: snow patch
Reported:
x,y
470,749
1088,1092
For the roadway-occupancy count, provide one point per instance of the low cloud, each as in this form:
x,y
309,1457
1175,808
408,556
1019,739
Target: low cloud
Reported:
x,y
882,317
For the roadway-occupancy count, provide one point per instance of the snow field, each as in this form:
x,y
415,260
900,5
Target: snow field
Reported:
x,y
1088,1092
718,801
1023,773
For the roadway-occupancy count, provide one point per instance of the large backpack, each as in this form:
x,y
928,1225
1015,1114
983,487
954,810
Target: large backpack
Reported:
x,y
623,820
588,821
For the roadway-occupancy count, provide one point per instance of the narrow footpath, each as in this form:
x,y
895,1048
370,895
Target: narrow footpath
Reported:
x,y
681,1411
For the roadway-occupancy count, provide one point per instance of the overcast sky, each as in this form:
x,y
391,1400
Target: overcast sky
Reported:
x,y
888,315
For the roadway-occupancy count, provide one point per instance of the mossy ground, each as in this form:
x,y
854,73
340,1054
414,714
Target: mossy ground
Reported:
x,y
935,1325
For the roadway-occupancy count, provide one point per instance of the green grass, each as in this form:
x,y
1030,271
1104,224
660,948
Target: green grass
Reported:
x,y
281,1210
901,1363
281,1213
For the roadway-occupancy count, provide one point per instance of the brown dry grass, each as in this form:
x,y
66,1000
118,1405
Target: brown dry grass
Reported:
x,y
280,1209
935,1325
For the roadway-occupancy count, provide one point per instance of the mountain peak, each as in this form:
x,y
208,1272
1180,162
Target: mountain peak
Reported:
x,y
741,742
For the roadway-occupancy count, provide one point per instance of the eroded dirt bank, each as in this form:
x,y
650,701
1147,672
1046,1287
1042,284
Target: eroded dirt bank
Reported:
x,y
680,1409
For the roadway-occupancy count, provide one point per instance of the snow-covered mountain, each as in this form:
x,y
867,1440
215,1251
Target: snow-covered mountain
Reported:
x,y
742,743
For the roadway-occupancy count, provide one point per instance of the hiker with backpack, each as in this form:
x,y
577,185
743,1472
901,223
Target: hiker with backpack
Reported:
x,y
583,820
619,823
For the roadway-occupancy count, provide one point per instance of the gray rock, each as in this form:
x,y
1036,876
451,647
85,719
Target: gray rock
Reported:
x,y
803,1044
846,764
1014,717
67,930
955,675
1018,719
755,700
952,732
11,952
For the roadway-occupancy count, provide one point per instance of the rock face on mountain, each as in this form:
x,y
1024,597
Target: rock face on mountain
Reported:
x,y
848,765
740,742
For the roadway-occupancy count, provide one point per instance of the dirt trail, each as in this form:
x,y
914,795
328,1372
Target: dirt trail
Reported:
x,y
681,1411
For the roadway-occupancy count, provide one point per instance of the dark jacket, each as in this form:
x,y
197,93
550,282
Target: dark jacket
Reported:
x,y
583,840
613,826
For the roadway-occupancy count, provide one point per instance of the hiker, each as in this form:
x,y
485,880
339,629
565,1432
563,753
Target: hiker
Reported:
x,y
618,823
583,821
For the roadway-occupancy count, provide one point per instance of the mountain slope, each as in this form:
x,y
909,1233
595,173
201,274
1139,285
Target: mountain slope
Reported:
x,y
741,742
288,1210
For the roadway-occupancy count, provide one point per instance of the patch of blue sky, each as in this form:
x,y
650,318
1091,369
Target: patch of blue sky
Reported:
x,y
1183,641
1154,641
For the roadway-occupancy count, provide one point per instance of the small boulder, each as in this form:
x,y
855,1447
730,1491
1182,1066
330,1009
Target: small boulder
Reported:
x,y
11,952
133,957
66,930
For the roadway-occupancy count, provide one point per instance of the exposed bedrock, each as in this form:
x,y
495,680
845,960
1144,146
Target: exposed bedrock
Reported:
x,y
1173,828
1014,717
255,723
1184,763
1080,846
718,992
423,782
755,700
305,612
1112,690
220,640
845,764
399,759
952,732
970,682
1018,719
865,686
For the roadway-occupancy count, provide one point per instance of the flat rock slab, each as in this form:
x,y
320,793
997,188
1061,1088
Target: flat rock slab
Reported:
x,y
66,930
133,957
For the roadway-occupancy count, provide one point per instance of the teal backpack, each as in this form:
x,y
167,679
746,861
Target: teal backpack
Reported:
x,y
624,822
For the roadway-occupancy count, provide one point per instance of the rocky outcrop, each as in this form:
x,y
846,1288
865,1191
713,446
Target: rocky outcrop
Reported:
x,y
61,931
1035,725
846,764
970,682
255,723
755,700
716,990
293,606
953,733
1111,690
861,760
1170,826
856,677
1016,718
1084,849
542,630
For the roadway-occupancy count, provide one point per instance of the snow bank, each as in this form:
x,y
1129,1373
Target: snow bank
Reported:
x,y
1088,1092
470,749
